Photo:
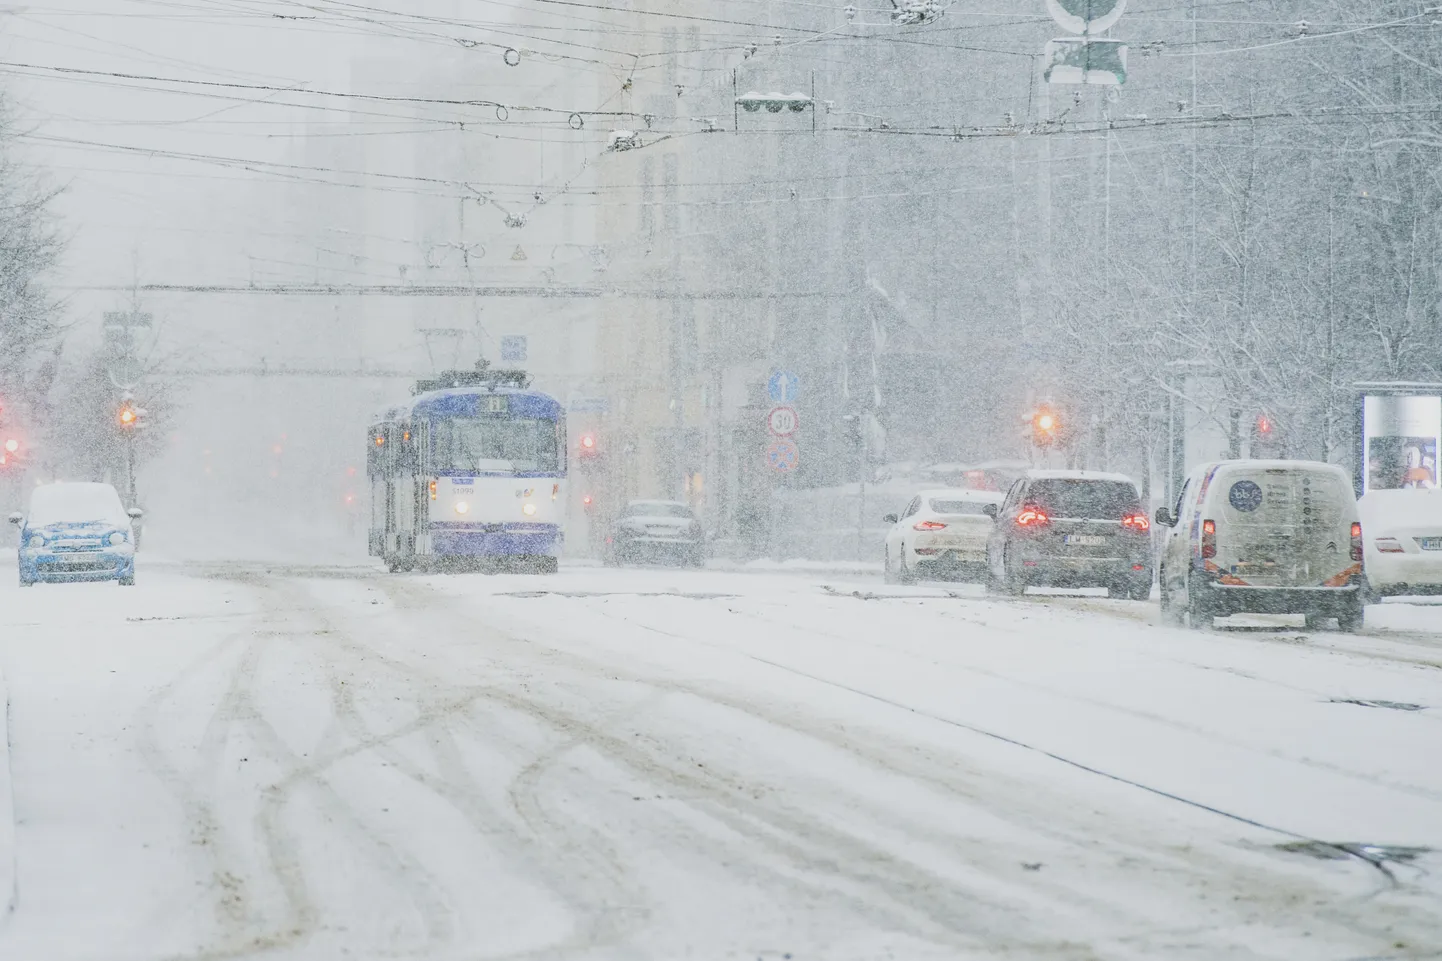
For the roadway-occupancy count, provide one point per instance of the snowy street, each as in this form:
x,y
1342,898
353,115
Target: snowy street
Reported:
x,y
318,762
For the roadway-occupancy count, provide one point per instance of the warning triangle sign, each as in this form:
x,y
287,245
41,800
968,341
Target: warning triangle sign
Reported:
x,y
519,254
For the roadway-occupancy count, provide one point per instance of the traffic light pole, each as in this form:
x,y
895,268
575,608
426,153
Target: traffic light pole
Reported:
x,y
130,467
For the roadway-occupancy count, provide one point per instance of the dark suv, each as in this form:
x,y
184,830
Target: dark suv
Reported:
x,y
1071,529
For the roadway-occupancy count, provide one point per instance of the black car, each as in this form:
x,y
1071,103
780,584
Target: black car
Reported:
x,y
1071,529
657,532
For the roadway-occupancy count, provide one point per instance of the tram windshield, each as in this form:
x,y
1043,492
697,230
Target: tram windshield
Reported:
x,y
496,444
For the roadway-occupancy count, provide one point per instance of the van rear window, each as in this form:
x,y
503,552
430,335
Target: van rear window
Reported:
x,y
1090,499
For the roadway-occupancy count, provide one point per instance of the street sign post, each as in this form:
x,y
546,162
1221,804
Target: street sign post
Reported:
x,y
783,456
784,387
782,421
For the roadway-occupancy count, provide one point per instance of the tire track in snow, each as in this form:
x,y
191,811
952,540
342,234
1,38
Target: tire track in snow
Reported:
x,y
773,832
1235,873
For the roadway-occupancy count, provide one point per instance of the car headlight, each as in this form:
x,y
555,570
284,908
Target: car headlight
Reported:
x,y
462,507
116,539
528,509
36,542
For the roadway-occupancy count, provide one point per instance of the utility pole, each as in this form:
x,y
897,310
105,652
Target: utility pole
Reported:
x,y
121,331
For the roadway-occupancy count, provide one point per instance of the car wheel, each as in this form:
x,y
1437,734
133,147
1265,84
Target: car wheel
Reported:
x,y
905,574
1198,613
127,581
1171,614
1352,621
1140,590
548,565
26,582
1011,583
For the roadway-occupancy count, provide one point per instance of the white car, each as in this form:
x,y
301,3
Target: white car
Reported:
x,y
942,533
1402,534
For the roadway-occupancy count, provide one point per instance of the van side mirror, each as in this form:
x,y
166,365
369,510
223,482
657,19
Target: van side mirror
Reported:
x,y
17,518
1165,517
990,511
135,513
890,519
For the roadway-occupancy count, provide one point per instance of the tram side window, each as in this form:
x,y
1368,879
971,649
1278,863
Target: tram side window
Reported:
x,y
405,452
375,451
384,456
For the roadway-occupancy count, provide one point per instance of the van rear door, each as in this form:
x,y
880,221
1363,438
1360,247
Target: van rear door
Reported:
x,y
1283,527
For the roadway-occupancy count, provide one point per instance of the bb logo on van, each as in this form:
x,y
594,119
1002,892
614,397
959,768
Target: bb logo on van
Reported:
x,y
1245,496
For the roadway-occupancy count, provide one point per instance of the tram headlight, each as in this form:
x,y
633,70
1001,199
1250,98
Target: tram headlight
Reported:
x,y
528,509
462,507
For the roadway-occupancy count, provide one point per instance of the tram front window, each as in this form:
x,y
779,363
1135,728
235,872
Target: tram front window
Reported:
x,y
496,444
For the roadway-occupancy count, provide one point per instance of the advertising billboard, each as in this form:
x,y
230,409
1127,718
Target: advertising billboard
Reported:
x,y
1401,434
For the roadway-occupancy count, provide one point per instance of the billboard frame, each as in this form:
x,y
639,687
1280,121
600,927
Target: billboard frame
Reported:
x,y
1361,391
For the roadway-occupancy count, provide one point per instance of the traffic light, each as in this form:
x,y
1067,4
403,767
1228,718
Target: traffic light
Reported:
x,y
589,446
129,415
1267,440
1046,426
9,451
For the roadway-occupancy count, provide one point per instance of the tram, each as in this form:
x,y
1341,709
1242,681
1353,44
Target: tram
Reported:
x,y
473,469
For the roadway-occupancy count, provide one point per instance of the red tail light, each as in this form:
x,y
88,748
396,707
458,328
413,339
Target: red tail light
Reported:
x,y
1209,539
1356,541
1137,522
1032,517
929,526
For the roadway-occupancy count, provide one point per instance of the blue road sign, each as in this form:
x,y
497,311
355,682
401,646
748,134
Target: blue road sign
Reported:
x,y
784,387
783,456
590,405
513,349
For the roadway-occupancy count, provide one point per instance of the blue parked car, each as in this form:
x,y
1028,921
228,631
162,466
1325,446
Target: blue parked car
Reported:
x,y
76,532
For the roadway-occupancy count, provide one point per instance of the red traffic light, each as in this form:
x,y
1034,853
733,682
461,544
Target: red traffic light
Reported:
x,y
1264,424
12,445
587,500
588,442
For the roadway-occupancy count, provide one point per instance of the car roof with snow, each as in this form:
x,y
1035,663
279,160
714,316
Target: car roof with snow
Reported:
x,y
1401,509
963,494
1311,465
651,503
1078,475
75,503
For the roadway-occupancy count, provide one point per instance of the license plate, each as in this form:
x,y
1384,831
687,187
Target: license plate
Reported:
x,y
1430,543
1086,540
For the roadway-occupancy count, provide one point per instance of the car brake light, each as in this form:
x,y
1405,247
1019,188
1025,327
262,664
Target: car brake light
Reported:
x,y
1032,517
1137,522
1209,538
1389,545
433,490
1356,540
929,526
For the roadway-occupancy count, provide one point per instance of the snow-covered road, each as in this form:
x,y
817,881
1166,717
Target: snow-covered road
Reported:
x,y
326,762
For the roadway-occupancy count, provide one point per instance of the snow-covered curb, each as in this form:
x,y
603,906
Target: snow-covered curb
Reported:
x,y
7,810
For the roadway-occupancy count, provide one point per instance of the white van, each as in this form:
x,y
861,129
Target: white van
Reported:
x,y
1261,536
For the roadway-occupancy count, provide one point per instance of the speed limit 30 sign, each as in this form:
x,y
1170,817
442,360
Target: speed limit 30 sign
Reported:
x,y
782,421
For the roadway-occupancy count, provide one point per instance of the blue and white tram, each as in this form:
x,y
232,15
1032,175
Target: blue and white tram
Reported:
x,y
468,473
